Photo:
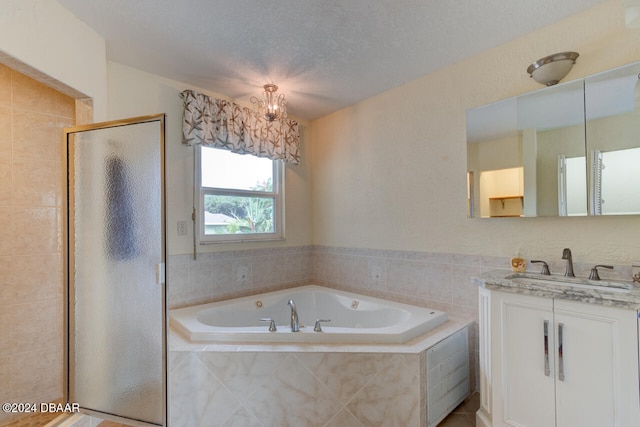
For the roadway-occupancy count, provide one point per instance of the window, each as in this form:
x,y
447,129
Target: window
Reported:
x,y
240,198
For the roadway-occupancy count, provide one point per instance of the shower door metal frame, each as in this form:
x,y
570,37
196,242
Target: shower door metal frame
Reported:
x,y
68,262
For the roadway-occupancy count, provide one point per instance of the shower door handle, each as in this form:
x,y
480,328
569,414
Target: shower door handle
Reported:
x,y
160,273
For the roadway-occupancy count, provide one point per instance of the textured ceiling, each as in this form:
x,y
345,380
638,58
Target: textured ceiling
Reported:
x,y
324,55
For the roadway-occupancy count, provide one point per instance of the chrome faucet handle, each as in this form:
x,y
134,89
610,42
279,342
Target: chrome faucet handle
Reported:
x,y
317,327
594,271
272,323
545,267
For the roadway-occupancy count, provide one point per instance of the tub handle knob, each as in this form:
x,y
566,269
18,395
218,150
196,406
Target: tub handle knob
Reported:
x,y
272,323
317,327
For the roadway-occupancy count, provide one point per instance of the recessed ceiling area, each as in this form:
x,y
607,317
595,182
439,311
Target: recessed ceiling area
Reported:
x,y
324,55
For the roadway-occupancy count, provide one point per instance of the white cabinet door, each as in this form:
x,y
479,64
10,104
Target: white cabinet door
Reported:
x,y
523,362
600,366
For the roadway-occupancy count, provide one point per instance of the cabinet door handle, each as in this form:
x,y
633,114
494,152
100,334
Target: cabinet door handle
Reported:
x,y
546,348
560,352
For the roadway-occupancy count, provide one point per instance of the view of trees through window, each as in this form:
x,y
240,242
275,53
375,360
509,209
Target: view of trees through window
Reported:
x,y
243,214
238,193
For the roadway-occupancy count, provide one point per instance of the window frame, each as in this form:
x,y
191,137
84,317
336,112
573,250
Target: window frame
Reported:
x,y
277,194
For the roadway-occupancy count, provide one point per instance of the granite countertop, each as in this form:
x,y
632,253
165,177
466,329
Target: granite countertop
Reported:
x,y
626,295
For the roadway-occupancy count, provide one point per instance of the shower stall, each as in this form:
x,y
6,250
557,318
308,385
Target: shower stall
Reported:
x,y
116,251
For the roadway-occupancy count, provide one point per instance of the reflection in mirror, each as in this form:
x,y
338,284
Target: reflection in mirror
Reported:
x,y
612,99
525,154
493,147
619,182
551,128
572,185
558,150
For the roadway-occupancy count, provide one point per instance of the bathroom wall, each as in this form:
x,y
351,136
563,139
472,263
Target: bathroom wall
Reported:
x,y
386,208
48,38
135,93
389,172
408,148
32,117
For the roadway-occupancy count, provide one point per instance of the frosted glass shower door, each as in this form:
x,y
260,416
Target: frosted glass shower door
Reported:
x,y
116,255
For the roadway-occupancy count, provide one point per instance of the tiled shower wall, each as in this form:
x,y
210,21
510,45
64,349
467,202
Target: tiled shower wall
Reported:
x,y
32,116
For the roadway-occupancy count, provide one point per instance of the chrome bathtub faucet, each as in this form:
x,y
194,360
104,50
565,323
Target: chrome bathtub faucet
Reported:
x,y
295,325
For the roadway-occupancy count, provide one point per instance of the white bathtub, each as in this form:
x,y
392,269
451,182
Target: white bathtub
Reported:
x,y
354,318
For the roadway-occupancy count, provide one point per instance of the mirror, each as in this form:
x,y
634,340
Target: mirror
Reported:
x,y
551,129
565,150
613,140
494,160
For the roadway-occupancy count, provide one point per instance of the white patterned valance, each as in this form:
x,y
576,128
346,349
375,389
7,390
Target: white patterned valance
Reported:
x,y
223,124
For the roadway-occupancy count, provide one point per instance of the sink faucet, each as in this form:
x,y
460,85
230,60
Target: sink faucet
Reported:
x,y
566,254
295,326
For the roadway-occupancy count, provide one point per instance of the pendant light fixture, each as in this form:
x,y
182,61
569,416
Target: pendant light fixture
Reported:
x,y
272,106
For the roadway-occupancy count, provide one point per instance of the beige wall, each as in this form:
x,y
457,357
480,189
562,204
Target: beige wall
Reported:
x,y
32,117
56,45
134,93
389,172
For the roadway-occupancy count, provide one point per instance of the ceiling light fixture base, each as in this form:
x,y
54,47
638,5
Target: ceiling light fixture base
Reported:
x,y
553,68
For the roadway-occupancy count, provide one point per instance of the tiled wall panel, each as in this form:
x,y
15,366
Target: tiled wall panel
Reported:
x,y
294,389
32,116
224,275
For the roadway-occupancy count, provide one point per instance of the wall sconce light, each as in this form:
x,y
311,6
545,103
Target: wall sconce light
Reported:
x,y
551,69
271,106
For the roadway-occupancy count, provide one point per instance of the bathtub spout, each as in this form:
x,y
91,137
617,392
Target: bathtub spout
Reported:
x,y
295,325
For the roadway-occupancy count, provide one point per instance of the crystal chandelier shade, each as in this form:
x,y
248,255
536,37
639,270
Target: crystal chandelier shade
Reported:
x,y
272,106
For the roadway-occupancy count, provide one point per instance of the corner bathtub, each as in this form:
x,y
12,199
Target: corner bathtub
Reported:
x,y
354,318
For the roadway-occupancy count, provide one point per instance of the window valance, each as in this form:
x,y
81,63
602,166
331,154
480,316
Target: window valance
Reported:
x,y
224,124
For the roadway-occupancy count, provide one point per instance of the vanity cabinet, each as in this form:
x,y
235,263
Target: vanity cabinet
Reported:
x,y
552,362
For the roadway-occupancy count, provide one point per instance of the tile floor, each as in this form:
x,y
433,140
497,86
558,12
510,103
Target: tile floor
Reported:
x,y
36,420
463,416
111,424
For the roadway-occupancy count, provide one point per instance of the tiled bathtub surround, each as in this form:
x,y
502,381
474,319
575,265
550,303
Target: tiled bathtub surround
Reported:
x,y
324,385
224,275
294,389
435,280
